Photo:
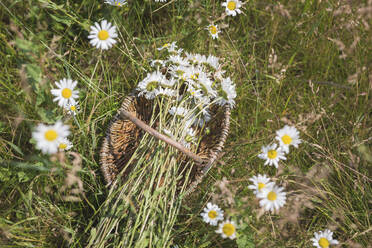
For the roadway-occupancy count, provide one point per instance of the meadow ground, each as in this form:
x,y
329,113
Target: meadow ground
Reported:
x,y
303,63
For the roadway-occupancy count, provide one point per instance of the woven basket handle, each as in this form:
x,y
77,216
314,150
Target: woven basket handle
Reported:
x,y
156,134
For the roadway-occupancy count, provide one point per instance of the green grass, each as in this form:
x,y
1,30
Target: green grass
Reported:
x,y
325,92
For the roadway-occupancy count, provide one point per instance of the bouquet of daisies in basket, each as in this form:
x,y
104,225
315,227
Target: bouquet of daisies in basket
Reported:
x,y
191,83
182,89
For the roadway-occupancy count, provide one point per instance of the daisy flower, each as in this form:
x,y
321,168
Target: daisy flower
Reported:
x,y
48,137
324,239
178,111
232,7
205,84
65,92
196,93
272,154
212,214
72,108
259,183
213,61
118,3
150,84
165,92
64,144
227,229
288,136
213,30
168,132
192,73
102,36
228,92
178,71
196,58
272,198
190,135
171,47
178,60
157,63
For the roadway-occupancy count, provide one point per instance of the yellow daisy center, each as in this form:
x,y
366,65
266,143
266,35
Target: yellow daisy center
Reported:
x,y
286,139
66,93
271,196
213,29
228,229
231,5
103,35
261,186
118,4
272,154
73,108
323,242
50,135
62,146
166,45
212,214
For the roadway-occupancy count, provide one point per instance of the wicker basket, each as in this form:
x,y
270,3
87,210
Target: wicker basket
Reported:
x,y
123,137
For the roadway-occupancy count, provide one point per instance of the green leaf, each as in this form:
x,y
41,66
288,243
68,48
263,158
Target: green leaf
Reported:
x,y
61,20
16,148
24,44
34,72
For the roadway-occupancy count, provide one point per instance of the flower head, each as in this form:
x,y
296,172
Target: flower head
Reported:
x,y
118,3
157,63
48,137
324,239
272,154
272,198
72,108
227,229
213,30
213,61
180,112
150,85
65,93
227,93
288,136
64,144
259,183
178,60
102,36
165,92
232,7
212,214
171,47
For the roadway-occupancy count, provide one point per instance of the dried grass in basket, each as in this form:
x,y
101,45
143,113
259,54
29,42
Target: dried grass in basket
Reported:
x,y
123,137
